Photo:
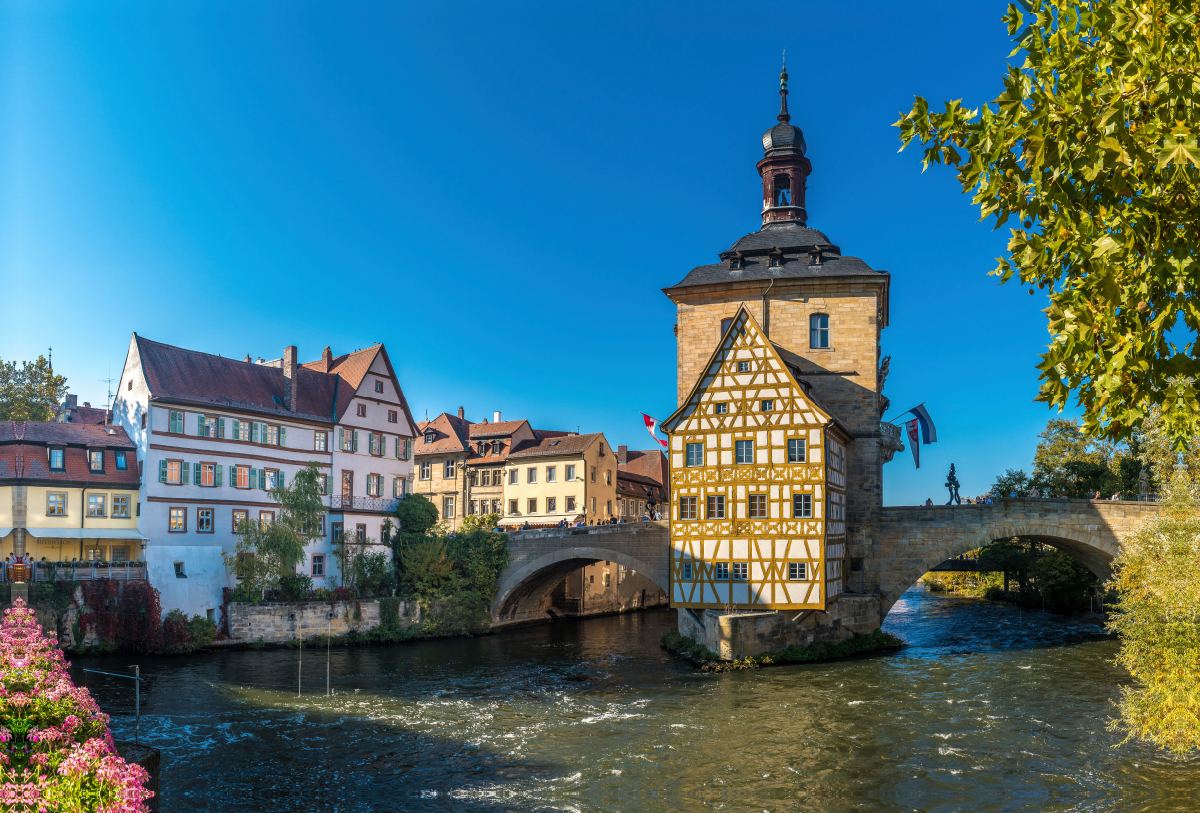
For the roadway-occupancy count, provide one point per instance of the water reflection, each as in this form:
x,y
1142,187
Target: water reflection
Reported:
x,y
991,708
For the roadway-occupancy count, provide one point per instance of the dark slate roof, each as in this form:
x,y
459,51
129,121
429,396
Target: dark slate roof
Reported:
x,y
785,236
783,138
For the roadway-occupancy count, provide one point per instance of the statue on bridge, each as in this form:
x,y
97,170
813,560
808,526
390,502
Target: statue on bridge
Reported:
x,y
952,484
1144,485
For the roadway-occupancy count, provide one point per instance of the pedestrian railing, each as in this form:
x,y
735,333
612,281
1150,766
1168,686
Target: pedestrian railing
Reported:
x,y
75,571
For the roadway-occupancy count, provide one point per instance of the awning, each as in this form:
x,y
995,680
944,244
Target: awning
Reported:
x,y
86,533
5,532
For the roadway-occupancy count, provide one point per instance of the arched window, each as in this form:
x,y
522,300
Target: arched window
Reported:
x,y
782,186
818,331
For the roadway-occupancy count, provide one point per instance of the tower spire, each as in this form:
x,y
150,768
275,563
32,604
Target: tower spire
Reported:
x,y
783,111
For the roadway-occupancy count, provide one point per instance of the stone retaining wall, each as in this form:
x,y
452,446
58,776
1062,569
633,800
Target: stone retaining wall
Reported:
x,y
280,622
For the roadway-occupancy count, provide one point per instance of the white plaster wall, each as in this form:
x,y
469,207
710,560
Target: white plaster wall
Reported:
x,y
201,590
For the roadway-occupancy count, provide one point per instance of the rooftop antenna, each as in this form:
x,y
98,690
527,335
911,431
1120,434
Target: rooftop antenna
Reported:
x,y
109,381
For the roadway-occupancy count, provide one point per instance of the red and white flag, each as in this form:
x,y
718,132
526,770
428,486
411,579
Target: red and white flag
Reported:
x,y
914,441
651,425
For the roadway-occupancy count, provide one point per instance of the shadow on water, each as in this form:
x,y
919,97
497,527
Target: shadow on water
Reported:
x,y
990,709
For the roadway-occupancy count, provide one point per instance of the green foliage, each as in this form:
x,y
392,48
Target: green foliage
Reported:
x,y
295,586
709,661
1092,147
1045,576
1013,481
1159,624
463,613
479,556
416,515
30,392
180,635
371,574
426,567
478,522
268,552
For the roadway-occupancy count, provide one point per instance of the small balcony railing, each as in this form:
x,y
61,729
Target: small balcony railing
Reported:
x,y
77,571
382,505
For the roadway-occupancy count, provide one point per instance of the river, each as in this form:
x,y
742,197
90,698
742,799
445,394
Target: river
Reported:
x,y
990,708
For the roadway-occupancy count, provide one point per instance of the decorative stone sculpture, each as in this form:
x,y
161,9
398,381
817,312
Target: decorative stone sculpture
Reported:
x,y
1144,484
952,484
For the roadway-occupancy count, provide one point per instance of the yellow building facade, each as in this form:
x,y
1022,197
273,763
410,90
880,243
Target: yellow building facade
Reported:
x,y
758,484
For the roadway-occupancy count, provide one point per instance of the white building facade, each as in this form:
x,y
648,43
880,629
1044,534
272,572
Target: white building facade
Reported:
x,y
215,435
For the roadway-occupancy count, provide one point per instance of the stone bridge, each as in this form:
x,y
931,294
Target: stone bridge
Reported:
x,y
906,542
539,561
893,552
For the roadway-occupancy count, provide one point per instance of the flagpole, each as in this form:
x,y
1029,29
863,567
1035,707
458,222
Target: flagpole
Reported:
x,y
905,412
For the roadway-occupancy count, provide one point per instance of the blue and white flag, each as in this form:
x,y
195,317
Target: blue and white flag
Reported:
x,y
928,430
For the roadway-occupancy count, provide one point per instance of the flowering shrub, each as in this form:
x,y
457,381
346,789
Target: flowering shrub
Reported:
x,y
56,752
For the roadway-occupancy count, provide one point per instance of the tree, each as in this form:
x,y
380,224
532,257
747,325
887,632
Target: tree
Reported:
x,y
267,552
30,392
1013,481
479,522
1091,147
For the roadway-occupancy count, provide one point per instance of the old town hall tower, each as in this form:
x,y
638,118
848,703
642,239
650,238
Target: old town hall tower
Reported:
x,y
777,448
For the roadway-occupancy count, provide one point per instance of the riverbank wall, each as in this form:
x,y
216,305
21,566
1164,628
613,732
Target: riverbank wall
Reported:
x,y
278,622
747,634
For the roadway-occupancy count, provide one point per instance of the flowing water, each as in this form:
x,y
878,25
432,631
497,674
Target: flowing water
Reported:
x,y
990,708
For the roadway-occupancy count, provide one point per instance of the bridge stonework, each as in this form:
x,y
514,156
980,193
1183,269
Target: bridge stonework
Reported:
x,y
540,560
905,542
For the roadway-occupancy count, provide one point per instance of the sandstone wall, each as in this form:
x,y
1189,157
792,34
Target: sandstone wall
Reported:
x,y
280,622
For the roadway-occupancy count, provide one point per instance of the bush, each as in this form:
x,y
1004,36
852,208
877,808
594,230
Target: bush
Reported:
x,y
372,574
426,567
295,587
179,635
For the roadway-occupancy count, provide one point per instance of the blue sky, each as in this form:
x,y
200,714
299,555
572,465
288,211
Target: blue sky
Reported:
x,y
496,191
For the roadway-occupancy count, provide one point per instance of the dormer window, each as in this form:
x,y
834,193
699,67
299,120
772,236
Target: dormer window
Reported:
x,y
814,256
496,446
736,263
57,460
776,260
95,461
429,436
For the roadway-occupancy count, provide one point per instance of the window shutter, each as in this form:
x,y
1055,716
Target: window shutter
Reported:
x,y
183,472
253,481
262,479
396,446
232,476
200,425
283,436
253,432
162,471
217,475
220,427
196,475
354,440
341,438
237,435
281,479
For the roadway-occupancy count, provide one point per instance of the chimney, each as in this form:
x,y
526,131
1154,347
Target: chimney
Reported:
x,y
327,358
495,417
72,401
460,413
87,404
622,455
290,377
247,358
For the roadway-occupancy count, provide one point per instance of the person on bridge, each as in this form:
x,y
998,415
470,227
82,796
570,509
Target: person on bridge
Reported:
x,y
929,501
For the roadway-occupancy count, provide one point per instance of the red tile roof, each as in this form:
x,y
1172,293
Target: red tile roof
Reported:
x,y
555,445
495,430
450,435
645,467
24,453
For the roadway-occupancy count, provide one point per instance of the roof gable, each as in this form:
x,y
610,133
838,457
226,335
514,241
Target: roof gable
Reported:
x,y
767,377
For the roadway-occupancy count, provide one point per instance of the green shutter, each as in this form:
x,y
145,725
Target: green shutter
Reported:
x,y
232,476
253,481
196,475
341,438
281,479
220,427
354,440
396,446
237,434
253,432
200,425
162,471
283,436
183,472
217,475
262,479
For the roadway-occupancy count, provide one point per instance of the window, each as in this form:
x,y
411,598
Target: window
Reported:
x,y
378,386
513,476
743,451
801,506
551,505
741,571
318,564
448,470
241,430
177,520
608,477
336,533
94,554
531,475
818,331
512,507
265,518
551,474
775,261
782,184
374,485
768,405
695,454
56,505
274,479
122,465
725,323
119,555
447,507
404,448
687,507
175,422
320,441
174,472
593,505
392,416
204,520
429,436
797,571
473,508
95,506
570,505
721,571
362,410
758,506
323,483
796,450
95,460
56,460
608,507
239,516
347,485
495,506
570,474
716,506
531,505
721,409
143,420
179,572
685,571
206,426
239,476
607,577
360,532
206,474
485,477
743,366
593,474
348,439
426,470
271,435
120,506
398,484
375,443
